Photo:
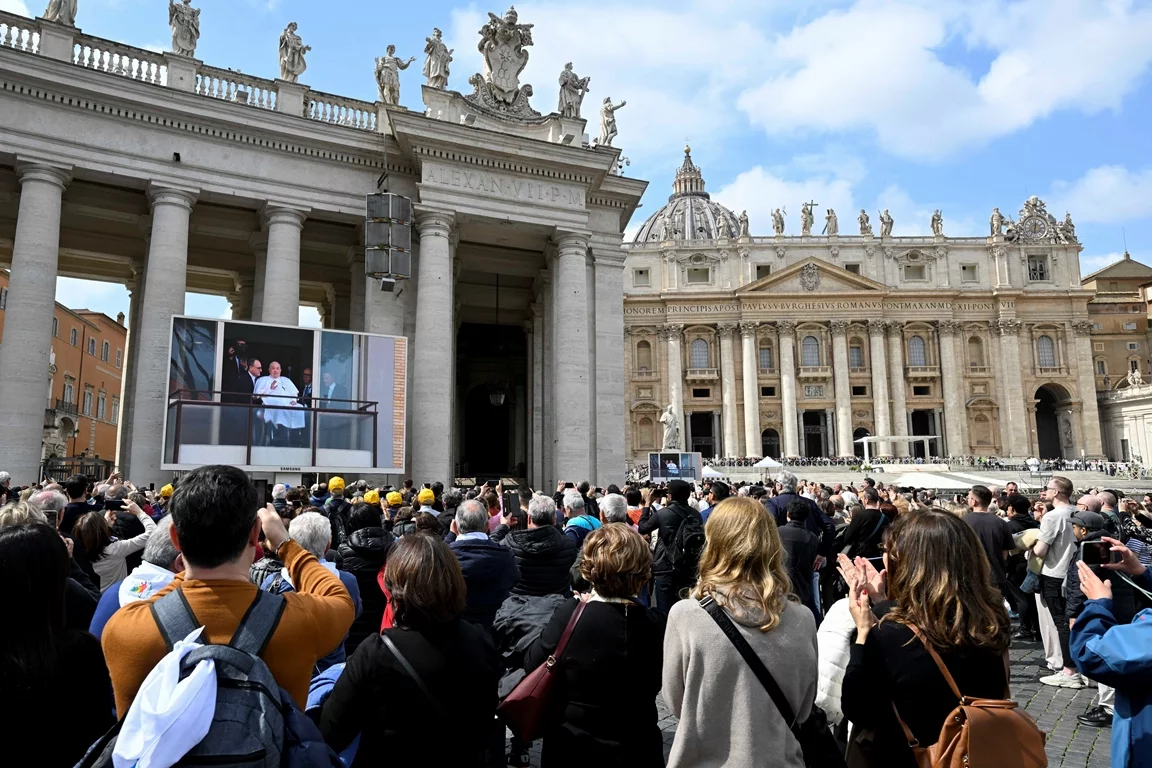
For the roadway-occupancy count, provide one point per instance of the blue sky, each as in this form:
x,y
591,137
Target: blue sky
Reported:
x,y
909,105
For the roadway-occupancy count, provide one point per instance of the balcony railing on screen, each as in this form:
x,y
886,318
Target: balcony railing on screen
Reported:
x,y
337,433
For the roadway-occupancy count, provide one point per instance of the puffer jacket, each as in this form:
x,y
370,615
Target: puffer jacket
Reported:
x,y
363,554
833,647
543,556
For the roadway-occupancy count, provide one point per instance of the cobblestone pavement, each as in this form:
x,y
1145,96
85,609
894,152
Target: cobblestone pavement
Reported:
x,y
1070,744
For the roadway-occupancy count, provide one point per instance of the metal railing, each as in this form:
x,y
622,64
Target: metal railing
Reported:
x,y
63,406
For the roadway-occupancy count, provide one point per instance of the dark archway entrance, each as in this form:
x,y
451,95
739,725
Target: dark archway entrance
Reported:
x,y
813,433
486,429
858,448
700,428
921,425
770,443
1048,442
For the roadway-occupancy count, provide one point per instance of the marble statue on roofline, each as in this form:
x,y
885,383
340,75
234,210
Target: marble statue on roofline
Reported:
x,y
61,12
937,223
807,219
185,23
572,90
831,223
996,222
439,56
886,224
608,122
292,50
744,224
865,222
388,75
778,222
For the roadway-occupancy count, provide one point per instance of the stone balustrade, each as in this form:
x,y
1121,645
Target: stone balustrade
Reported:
x,y
118,59
227,85
338,110
19,33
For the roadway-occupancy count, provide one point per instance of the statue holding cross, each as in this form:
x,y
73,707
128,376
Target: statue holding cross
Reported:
x,y
806,218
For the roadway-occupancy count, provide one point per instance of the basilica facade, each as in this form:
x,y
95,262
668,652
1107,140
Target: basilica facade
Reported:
x,y
800,345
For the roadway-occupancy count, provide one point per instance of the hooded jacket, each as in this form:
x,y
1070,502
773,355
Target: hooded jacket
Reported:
x,y
142,584
490,572
543,556
363,554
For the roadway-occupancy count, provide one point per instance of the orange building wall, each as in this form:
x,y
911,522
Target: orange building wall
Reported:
x,y
95,437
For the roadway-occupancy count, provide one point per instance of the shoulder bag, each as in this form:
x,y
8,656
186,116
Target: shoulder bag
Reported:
x,y
525,708
815,737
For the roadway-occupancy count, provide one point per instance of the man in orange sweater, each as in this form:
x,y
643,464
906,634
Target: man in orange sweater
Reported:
x,y
216,526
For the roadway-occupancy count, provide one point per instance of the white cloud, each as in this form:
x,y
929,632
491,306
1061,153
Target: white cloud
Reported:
x,y
761,190
877,67
15,6
1105,195
309,317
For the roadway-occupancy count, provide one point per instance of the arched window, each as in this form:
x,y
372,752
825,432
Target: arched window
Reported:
x,y
1133,364
1101,367
698,355
855,354
810,352
917,352
766,361
1046,352
646,433
644,357
975,352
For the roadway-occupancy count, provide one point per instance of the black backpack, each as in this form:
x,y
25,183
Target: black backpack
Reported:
x,y
687,544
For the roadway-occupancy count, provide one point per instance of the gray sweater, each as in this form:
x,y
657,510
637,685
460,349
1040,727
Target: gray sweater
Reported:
x,y
726,717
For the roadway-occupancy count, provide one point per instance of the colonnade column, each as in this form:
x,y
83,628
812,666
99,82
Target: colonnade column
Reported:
x,y
1012,388
880,404
571,371
536,477
950,379
125,418
259,243
608,281
671,333
165,280
788,415
27,349
432,384
751,376
899,394
1091,441
728,388
281,288
843,390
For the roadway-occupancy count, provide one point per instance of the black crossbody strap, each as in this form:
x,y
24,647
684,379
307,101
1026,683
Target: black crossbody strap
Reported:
x,y
411,672
758,668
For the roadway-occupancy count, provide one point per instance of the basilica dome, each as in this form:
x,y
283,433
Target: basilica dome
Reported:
x,y
690,213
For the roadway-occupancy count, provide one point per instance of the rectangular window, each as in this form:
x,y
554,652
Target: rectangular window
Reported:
x,y
101,407
56,327
69,391
1097,327
105,349
763,270
968,273
853,268
1133,365
119,358
3,298
641,278
1101,368
922,390
766,361
1129,326
92,347
859,391
855,356
1037,269
1133,346
1098,346
87,403
115,410
72,337
699,275
701,392
915,272
767,391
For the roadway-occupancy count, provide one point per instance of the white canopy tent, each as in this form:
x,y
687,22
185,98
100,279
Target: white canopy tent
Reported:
x,y
871,440
708,473
767,463
930,480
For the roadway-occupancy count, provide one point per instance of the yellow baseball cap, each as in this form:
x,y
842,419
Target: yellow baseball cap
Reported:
x,y
336,485
166,491
394,499
426,496
372,497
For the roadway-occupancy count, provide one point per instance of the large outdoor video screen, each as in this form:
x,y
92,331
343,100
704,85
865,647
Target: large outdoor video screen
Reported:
x,y
663,467
281,398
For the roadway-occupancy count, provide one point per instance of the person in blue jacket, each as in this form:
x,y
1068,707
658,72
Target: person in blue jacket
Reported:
x,y
1119,655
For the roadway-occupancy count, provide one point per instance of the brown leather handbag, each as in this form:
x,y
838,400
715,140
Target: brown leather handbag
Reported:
x,y
979,733
524,709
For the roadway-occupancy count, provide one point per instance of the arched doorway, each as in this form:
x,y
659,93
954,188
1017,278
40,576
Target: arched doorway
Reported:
x,y
486,430
858,448
813,433
1050,444
770,443
921,425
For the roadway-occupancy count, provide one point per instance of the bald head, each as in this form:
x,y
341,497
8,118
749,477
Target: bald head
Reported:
x,y
1107,499
1089,503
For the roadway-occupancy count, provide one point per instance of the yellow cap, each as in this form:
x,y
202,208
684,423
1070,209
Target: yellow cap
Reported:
x,y
166,491
426,496
372,497
394,499
336,485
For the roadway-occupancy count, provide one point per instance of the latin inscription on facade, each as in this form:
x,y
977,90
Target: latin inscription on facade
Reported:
x,y
503,187
813,390
817,306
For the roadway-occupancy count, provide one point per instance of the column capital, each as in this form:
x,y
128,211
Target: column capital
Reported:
x,y
786,326
727,330
876,327
573,241
947,327
895,327
431,222
1008,326
162,194
748,330
36,170
278,213
671,331
1082,327
838,327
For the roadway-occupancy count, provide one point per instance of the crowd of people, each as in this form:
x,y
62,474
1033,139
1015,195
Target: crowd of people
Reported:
x,y
788,624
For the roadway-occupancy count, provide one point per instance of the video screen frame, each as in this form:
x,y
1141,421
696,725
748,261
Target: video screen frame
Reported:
x,y
674,465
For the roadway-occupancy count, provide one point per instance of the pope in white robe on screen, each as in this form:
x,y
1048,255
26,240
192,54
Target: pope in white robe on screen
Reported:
x,y
277,390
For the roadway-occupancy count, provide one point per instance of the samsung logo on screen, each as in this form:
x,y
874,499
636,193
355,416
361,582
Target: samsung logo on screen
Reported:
x,y
289,469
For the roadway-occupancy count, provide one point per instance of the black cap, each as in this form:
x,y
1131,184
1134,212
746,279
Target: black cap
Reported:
x,y
1092,521
679,490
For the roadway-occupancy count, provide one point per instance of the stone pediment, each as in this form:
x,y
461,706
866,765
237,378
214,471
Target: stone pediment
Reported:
x,y
812,276
1125,268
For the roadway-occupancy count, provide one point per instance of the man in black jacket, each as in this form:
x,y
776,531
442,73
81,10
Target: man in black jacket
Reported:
x,y
669,581
490,569
801,546
816,523
543,553
1019,520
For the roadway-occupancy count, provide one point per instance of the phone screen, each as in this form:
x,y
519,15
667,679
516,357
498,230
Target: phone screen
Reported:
x,y
116,504
569,485
1096,552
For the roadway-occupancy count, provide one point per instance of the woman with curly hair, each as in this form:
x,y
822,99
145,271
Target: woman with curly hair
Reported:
x,y
935,591
726,715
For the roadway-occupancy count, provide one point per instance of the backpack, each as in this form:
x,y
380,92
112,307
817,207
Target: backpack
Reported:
x,y
979,731
687,544
255,722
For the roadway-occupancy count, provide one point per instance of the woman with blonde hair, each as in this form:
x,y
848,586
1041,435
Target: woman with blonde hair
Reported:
x,y
938,595
726,716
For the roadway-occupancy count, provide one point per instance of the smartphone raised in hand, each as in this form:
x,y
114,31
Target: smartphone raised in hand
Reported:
x,y
1098,553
